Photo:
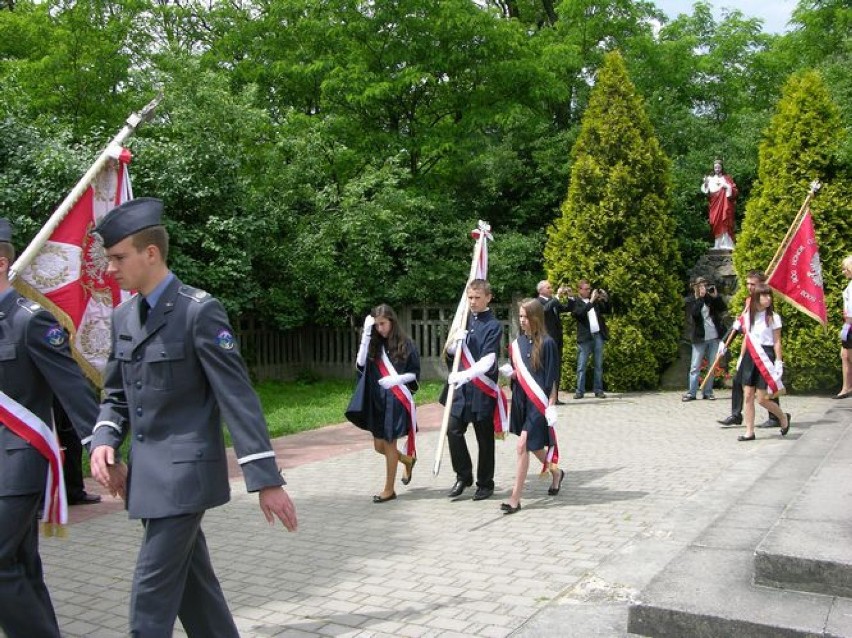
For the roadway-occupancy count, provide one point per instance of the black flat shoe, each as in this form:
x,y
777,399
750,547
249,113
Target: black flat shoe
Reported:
x,y
85,499
508,509
553,491
482,493
844,395
731,420
409,467
787,429
743,437
378,498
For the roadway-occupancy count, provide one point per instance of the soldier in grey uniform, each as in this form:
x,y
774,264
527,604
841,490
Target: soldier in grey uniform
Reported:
x,y
35,362
173,375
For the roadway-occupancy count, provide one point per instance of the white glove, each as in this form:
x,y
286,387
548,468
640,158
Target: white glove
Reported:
x,y
452,344
779,370
459,378
507,370
389,381
550,415
369,322
737,326
722,349
844,332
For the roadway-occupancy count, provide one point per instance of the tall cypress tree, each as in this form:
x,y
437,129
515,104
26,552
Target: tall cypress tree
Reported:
x,y
801,144
617,231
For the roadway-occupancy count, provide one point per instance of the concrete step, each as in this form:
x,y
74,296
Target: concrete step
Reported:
x,y
810,546
709,588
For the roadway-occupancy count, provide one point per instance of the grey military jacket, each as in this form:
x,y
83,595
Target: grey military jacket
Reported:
x,y
169,384
35,363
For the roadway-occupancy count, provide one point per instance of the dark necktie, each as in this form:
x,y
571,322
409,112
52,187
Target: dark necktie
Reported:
x,y
143,310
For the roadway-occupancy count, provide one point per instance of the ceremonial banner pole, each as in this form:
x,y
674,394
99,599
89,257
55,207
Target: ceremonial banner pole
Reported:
x,y
465,310
67,204
815,186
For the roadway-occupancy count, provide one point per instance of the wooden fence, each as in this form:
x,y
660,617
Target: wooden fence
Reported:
x,y
330,352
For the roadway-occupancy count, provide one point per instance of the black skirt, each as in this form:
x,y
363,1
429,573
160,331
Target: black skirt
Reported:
x,y
750,373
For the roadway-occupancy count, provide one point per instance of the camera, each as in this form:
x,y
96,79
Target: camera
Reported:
x,y
711,289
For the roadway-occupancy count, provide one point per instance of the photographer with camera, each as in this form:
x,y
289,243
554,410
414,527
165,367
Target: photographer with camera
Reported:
x,y
563,302
706,308
589,309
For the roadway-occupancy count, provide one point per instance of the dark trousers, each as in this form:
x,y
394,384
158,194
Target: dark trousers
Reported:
x,y
737,398
460,455
174,579
72,465
25,607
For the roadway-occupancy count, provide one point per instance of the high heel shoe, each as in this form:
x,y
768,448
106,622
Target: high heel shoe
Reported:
x,y
409,468
553,491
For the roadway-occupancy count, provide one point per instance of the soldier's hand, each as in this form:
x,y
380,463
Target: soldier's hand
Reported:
x,y
112,475
276,503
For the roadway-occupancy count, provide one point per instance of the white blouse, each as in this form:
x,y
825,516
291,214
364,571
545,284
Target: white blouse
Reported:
x,y
760,333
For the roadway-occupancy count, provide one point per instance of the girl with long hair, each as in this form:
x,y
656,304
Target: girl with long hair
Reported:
x,y
761,365
383,403
534,370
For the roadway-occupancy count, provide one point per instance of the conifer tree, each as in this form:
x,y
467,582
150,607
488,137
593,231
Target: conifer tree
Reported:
x,y
801,144
617,231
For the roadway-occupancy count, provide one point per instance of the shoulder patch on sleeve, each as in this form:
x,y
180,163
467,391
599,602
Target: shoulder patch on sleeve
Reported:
x,y
196,294
225,339
55,335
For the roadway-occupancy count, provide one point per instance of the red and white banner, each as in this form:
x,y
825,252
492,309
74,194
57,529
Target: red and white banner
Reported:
x,y
404,396
68,276
33,430
797,275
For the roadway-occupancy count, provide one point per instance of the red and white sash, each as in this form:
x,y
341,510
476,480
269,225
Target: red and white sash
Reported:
x,y
404,396
34,431
490,388
761,360
536,395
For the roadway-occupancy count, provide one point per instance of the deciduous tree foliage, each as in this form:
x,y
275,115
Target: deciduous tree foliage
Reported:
x,y
617,231
800,145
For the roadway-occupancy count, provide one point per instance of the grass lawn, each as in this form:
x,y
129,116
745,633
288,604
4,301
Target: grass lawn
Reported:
x,y
297,406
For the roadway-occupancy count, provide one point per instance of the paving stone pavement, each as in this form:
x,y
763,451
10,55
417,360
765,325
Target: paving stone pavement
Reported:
x,y
424,565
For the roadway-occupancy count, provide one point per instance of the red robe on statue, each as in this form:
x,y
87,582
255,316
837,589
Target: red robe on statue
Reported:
x,y
722,206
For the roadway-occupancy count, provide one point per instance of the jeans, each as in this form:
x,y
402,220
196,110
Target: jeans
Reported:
x,y
701,349
584,351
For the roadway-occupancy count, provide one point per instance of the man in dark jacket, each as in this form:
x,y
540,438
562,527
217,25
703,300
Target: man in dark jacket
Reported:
x,y
589,310
705,307
553,307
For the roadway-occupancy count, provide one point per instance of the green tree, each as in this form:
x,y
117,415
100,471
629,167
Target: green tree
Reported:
x,y
616,230
801,144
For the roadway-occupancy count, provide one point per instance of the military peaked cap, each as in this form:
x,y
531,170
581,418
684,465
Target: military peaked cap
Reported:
x,y
129,218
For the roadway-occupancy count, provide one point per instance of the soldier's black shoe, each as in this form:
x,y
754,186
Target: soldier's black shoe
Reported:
x,y
85,499
731,421
458,488
482,493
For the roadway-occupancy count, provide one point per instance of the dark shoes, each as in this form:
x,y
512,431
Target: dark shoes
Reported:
x,y
482,493
378,498
731,421
458,488
743,437
787,429
600,395
558,402
769,423
553,491
842,395
85,499
687,397
578,395
508,509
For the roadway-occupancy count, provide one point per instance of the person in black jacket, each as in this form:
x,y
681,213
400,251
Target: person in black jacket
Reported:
x,y
589,310
705,307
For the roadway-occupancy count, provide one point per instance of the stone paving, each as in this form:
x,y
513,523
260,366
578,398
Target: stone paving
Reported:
x,y
424,565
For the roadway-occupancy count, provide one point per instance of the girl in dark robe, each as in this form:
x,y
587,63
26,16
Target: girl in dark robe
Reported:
x,y
383,403
534,371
